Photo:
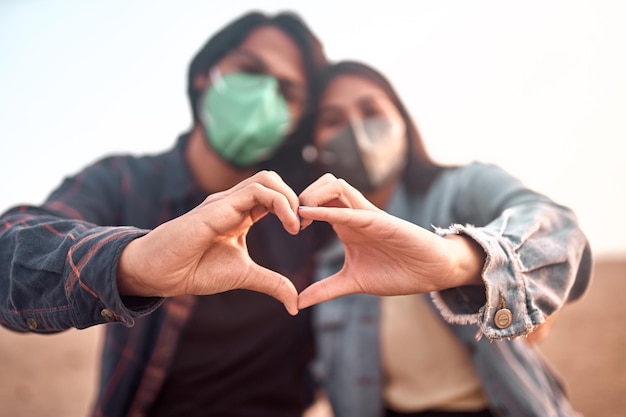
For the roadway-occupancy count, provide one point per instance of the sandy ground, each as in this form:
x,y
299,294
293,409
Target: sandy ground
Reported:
x,y
45,376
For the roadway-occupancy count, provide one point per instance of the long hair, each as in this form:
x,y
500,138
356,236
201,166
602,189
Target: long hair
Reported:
x,y
285,160
421,169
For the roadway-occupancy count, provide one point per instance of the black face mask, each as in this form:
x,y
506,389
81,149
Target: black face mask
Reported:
x,y
366,155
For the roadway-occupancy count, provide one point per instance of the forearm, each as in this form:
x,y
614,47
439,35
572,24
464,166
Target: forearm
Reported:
x,y
57,273
537,260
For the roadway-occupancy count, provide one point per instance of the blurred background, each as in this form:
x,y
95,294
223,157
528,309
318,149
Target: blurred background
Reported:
x,y
537,87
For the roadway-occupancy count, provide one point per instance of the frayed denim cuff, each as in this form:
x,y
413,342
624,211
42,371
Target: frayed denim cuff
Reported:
x,y
499,308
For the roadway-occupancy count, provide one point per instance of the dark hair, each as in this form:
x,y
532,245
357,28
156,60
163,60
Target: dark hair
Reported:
x,y
421,170
287,159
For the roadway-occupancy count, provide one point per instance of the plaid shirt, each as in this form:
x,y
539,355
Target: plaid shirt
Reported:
x,y
58,268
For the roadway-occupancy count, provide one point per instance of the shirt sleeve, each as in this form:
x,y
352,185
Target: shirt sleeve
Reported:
x,y
58,267
537,257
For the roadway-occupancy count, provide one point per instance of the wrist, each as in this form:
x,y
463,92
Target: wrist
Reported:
x,y
128,283
469,260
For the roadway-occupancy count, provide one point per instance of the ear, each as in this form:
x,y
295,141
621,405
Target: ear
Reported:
x,y
201,82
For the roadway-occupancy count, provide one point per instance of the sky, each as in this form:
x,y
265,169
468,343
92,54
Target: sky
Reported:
x,y
537,87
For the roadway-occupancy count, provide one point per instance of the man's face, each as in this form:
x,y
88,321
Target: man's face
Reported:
x,y
268,50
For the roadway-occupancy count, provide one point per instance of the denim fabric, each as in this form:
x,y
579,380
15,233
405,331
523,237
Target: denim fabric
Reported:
x,y
538,259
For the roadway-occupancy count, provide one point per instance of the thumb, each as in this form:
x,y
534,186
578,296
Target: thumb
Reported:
x,y
327,289
274,285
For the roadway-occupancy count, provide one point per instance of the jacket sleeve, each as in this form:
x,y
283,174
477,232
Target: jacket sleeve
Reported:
x,y
537,260
58,269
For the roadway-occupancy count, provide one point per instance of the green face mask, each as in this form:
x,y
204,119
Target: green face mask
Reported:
x,y
245,117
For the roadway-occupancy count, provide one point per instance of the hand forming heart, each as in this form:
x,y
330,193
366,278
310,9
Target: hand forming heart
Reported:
x,y
204,251
384,255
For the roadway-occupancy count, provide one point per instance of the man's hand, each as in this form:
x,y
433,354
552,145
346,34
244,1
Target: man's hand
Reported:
x,y
204,251
384,255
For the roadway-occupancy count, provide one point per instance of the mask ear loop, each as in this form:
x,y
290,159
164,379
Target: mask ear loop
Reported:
x,y
217,80
361,136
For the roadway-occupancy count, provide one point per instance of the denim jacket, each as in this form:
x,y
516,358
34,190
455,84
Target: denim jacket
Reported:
x,y
538,259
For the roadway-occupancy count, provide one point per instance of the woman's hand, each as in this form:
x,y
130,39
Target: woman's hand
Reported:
x,y
541,331
204,251
384,255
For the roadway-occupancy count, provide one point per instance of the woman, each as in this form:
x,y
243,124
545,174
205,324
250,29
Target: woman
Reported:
x,y
502,257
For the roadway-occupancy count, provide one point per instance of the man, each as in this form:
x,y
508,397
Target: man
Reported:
x,y
111,242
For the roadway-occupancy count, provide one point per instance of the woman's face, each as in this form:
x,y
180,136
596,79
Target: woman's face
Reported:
x,y
360,135
352,99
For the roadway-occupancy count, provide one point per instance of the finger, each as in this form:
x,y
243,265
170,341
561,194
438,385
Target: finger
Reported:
x,y
332,192
269,179
337,215
258,199
253,201
311,189
323,180
217,196
272,180
327,289
337,193
304,198
275,285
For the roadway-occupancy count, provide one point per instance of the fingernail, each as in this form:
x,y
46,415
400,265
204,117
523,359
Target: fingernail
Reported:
x,y
301,219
